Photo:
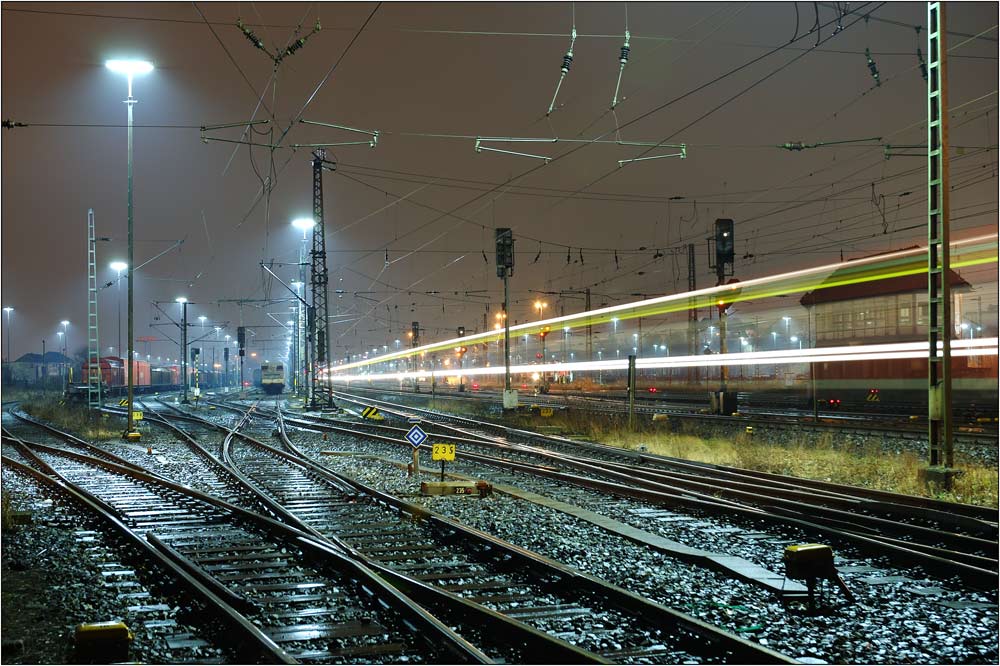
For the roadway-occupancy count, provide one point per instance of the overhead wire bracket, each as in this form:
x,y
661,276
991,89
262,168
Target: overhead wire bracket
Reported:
x,y
245,123
887,150
372,142
480,147
567,62
682,154
799,145
622,60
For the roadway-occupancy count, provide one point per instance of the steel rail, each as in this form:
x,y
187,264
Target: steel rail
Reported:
x,y
248,640
934,559
741,649
986,515
413,612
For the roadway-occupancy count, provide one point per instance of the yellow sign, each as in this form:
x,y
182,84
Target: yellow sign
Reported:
x,y
546,411
371,413
123,402
443,452
136,416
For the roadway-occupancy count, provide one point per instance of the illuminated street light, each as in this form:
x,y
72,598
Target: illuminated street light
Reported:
x,y
130,68
118,267
9,311
304,224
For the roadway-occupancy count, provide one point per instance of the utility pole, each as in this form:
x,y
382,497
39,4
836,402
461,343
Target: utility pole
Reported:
x,y
241,343
505,268
184,345
725,247
692,314
319,281
939,329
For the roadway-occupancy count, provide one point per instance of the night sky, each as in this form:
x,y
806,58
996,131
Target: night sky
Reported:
x,y
466,70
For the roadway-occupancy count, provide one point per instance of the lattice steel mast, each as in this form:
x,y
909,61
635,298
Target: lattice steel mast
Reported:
x,y
939,329
321,388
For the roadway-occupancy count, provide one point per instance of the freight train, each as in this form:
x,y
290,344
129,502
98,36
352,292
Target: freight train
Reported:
x,y
148,378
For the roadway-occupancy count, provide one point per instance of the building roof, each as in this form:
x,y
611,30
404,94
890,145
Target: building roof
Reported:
x,y
50,357
903,284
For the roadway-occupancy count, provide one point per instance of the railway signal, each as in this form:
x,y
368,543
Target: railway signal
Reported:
x,y
505,268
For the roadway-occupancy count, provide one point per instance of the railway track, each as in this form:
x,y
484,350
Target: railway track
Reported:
x,y
972,434
946,538
296,597
500,591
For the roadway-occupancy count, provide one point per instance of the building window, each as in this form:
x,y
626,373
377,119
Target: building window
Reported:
x,y
905,316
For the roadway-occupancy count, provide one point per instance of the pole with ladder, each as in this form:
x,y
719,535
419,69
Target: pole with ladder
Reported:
x,y
93,339
939,329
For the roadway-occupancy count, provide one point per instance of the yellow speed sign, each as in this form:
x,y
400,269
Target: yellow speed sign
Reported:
x,y
443,452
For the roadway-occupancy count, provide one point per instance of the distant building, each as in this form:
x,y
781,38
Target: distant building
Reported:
x,y
31,368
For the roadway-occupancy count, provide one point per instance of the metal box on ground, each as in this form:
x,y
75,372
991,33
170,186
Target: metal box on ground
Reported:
x,y
809,560
480,488
102,642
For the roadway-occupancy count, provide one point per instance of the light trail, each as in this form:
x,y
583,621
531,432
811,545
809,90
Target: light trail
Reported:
x,y
968,252
898,350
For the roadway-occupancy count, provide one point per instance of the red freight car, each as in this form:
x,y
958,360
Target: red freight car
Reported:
x,y
112,371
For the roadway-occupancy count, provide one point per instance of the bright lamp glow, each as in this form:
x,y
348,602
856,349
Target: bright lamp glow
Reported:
x,y
118,266
303,224
129,67
181,299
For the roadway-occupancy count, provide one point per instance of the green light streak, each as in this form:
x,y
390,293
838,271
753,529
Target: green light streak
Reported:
x,y
847,274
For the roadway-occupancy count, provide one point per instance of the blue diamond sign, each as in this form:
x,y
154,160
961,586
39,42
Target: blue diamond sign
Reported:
x,y
416,436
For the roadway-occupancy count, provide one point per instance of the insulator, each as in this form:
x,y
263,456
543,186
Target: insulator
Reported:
x,y
567,61
624,57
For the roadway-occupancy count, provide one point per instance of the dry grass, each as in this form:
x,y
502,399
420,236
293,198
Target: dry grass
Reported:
x,y
823,458
77,419
6,513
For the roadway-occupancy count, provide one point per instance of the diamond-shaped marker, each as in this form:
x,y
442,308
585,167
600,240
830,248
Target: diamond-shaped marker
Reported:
x,y
416,436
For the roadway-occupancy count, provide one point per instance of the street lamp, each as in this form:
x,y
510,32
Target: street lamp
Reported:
x,y
130,68
305,335
118,267
787,321
540,305
9,311
795,339
64,336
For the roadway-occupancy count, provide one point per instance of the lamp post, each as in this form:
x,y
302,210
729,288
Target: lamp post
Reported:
x,y
9,311
305,225
65,349
787,332
130,68
118,267
184,343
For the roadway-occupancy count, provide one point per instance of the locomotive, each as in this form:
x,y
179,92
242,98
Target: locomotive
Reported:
x,y
272,378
